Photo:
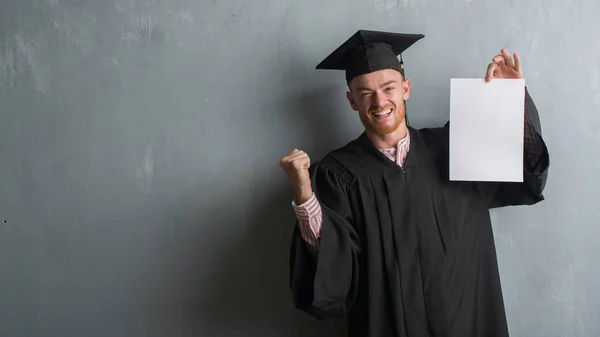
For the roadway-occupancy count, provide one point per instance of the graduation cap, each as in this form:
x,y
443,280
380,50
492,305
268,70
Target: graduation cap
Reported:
x,y
368,51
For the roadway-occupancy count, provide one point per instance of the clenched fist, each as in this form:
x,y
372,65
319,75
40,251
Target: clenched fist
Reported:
x,y
295,165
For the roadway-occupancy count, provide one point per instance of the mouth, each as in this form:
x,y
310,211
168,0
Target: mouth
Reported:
x,y
383,113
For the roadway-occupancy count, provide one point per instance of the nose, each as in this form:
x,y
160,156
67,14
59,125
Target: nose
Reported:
x,y
378,100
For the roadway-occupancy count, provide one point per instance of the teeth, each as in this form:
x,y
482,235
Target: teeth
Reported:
x,y
381,113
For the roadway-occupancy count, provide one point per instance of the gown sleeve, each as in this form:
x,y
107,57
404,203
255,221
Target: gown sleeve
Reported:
x,y
325,285
535,168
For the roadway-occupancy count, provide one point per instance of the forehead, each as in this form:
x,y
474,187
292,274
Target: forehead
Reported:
x,y
376,79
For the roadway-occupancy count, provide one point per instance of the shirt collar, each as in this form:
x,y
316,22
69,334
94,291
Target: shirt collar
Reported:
x,y
403,143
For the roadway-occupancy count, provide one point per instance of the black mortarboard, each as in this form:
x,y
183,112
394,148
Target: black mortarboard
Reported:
x,y
368,51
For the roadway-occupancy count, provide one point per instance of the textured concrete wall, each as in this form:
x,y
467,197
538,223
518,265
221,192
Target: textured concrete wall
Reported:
x,y
140,193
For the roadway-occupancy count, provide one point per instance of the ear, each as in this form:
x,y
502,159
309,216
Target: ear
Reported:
x,y
406,89
351,100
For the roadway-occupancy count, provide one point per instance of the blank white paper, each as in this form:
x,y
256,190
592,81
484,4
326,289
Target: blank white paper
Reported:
x,y
487,129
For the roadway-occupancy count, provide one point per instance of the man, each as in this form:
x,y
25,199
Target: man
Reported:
x,y
383,237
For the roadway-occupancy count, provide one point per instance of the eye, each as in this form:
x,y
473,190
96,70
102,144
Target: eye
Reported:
x,y
365,94
389,88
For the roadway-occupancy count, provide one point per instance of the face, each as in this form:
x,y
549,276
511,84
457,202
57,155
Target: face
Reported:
x,y
379,99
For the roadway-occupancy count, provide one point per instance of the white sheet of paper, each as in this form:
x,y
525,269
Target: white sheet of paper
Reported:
x,y
487,129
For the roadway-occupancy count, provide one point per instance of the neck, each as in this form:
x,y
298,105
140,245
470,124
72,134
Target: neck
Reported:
x,y
389,140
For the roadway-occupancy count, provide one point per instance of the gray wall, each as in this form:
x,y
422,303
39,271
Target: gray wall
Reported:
x,y
140,192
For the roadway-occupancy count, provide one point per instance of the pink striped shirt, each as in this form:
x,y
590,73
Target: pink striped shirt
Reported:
x,y
309,213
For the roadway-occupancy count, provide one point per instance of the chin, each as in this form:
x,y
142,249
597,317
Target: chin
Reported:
x,y
388,129
384,130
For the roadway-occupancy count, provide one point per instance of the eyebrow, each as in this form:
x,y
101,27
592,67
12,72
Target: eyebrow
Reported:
x,y
383,85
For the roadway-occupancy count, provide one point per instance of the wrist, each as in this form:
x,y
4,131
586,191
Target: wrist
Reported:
x,y
302,194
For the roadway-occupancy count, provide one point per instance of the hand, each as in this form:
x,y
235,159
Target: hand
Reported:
x,y
503,66
295,165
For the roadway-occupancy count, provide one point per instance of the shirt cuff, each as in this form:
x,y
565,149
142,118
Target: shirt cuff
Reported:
x,y
308,209
310,218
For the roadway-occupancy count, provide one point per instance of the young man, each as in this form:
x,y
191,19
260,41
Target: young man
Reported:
x,y
383,237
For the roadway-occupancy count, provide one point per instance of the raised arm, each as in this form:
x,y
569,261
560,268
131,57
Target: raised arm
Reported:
x,y
326,285
535,157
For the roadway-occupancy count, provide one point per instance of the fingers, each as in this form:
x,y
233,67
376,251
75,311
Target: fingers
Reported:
x,y
490,71
295,152
295,155
507,58
298,161
302,163
517,61
498,58
504,66
298,155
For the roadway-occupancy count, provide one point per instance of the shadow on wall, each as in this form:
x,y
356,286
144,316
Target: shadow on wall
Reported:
x,y
250,281
249,278
226,270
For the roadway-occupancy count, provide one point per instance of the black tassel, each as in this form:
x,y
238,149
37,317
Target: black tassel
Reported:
x,y
404,76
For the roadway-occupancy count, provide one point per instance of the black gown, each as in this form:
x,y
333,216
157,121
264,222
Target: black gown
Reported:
x,y
405,251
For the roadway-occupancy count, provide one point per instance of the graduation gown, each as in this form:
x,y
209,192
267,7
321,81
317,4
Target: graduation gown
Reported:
x,y
404,251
